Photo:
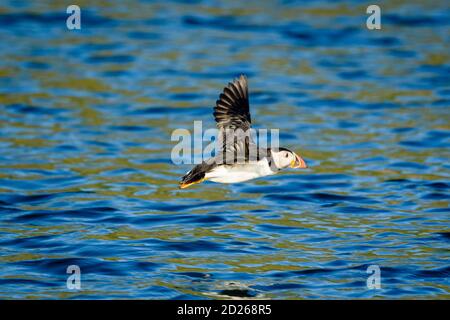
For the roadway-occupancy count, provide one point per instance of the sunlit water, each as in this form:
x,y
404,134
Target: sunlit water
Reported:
x,y
85,171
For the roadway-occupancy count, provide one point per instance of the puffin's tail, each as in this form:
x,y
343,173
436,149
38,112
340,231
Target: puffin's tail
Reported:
x,y
194,176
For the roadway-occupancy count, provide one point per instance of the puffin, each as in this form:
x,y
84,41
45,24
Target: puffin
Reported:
x,y
239,159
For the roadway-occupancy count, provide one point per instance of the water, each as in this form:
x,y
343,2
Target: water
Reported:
x,y
86,177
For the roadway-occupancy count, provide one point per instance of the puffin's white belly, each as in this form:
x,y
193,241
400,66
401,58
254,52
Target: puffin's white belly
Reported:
x,y
239,172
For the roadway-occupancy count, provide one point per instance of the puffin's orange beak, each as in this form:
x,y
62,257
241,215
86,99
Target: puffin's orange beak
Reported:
x,y
298,163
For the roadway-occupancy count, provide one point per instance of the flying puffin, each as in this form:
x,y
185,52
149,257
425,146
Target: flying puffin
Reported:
x,y
232,115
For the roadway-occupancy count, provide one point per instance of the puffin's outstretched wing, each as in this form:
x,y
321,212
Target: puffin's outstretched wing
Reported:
x,y
232,109
232,114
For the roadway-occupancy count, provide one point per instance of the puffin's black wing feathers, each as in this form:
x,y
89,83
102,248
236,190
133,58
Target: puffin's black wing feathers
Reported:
x,y
232,109
232,114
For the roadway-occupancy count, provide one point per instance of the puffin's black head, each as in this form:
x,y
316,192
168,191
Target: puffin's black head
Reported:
x,y
284,158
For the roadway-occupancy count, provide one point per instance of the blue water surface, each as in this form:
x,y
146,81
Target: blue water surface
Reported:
x,y
86,176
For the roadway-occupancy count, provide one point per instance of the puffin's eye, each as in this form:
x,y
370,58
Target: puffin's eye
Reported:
x,y
287,155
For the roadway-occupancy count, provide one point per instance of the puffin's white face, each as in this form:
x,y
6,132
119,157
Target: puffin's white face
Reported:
x,y
285,158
